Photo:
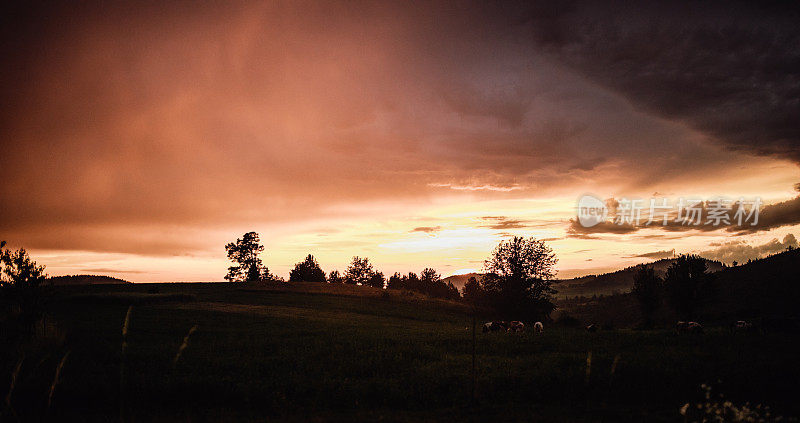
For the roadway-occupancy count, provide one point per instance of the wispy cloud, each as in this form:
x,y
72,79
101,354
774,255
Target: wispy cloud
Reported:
x,y
740,251
110,270
427,229
475,187
656,255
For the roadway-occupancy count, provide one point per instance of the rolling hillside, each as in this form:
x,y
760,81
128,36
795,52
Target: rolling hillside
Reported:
x,y
620,281
763,290
84,280
460,280
768,287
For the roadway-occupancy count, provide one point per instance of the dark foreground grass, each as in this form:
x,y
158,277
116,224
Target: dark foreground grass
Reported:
x,y
261,355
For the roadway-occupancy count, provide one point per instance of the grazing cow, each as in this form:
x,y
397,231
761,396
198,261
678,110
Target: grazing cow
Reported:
x,y
538,327
742,326
516,326
695,327
591,328
494,326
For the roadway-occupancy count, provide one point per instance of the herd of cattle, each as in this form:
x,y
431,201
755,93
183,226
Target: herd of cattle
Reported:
x,y
680,327
512,326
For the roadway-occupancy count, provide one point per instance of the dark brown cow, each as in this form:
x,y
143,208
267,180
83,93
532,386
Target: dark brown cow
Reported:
x,y
495,326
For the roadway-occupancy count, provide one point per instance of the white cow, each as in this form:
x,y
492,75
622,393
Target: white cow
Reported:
x,y
742,326
688,327
538,327
516,326
695,327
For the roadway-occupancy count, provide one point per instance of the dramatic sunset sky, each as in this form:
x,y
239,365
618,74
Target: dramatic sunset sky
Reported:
x,y
139,137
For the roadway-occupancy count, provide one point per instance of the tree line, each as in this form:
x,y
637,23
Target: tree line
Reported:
x,y
517,283
248,267
685,288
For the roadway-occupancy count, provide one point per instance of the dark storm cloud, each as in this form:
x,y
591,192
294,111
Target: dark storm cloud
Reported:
x,y
729,69
576,230
770,216
180,117
773,216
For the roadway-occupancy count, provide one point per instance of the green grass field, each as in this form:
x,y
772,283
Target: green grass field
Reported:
x,y
302,354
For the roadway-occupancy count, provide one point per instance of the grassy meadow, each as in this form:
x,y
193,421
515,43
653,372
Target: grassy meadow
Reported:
x,y
316,352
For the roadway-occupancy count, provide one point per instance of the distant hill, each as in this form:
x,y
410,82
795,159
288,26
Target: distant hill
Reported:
x,y
460,280
767,288
84,280
764,287
620,281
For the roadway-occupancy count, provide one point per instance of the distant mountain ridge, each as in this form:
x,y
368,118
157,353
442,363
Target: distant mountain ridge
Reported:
x,y
620,281
84,280
460,280
764,291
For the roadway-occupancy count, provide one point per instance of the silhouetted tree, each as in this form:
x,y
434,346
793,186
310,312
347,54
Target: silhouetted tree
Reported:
x,y
429,281
430,275
647,290
335,277
20,297
359,272
376,280
267,276
245,253
688,285
307,270
473,292
518,279
395,281
412,282
19,271
452,292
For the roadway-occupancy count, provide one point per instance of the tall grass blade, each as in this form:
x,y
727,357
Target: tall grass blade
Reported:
x,y
184,345
588,367
613,369
56,379
14,376
125,327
